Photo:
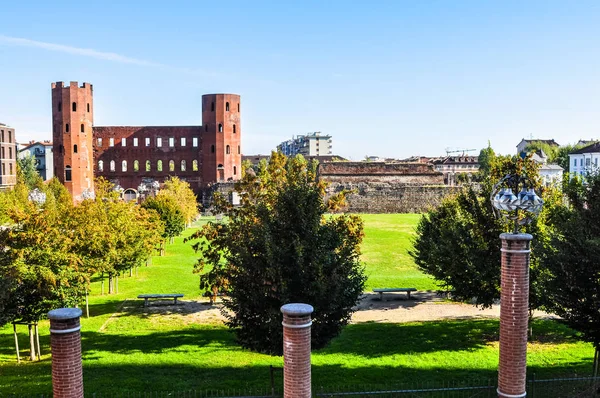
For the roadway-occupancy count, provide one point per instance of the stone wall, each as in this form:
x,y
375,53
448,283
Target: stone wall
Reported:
x,y
385,187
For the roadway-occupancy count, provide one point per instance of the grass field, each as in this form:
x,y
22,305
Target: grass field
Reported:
x,y
138,352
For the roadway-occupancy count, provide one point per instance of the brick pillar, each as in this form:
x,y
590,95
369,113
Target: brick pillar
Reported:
x,y
514,315
65,341
296,350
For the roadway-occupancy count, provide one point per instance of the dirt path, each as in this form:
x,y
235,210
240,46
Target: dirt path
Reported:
x,y
395,308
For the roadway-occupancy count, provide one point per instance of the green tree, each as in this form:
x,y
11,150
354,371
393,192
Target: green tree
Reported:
x,y
38,269
458,243
27,172
182,193
279,247
169,212
485,160
574,266
550,150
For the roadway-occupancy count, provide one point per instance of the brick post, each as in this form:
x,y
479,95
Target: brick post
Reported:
x,y
296,350
514,315
65,341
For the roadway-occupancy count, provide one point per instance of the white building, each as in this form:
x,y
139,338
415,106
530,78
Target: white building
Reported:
x,y
311,144
585,160
551,174
42,151
453,166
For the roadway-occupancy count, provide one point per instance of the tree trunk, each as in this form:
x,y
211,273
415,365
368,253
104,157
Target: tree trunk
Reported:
x,y
530,330
16,343
37,342
117,283
87,306
31,343
130,272
110,283
103,283
162,249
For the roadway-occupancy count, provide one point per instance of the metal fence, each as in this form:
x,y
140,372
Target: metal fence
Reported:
x,y
572,387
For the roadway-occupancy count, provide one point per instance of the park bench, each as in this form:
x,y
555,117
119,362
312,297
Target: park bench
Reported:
x,y
393,290
159,296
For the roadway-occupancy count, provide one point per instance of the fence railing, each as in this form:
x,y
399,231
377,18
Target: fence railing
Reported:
x,y
571,387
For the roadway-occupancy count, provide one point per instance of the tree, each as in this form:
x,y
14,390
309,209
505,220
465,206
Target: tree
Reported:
x,y
485,159
27,172
550,150
169,212
112,236
458,243
574,283
562,155
279,247
184,196
38,269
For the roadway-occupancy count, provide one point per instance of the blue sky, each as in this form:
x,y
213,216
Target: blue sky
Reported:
x,y
392,79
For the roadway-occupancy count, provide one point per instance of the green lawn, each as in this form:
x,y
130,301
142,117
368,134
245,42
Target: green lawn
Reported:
x,y
388,238
139,352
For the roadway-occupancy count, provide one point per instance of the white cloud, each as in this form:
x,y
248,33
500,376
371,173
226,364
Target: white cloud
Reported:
x,y
88,52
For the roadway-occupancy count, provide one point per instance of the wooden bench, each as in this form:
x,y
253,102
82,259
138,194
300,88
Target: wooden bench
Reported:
x,y
393,290
159,296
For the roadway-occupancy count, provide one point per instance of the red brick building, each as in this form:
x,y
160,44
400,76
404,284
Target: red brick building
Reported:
x,y
134,155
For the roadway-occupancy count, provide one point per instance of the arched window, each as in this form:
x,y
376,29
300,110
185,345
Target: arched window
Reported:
x,y
148,166
67,128
183,165
75,148
206,127
212,106
238,106
220,128
171,165
234,170
227,150
88,107
82,128
74,106
100,165
227,106
238,149
136,165
59,106
234,129
212,149
68,173
124,166
194,165
219,166
112,165
159,165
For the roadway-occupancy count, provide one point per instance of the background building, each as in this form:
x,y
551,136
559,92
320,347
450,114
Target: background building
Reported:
x,y
585,160
8,157
311,144
131,156
452,166
42,152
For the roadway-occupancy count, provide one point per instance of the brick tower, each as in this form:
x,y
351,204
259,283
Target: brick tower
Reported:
x,y
72,121
221,132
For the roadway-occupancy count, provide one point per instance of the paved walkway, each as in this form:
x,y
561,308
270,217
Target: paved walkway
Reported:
x,y
395,308
423,306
